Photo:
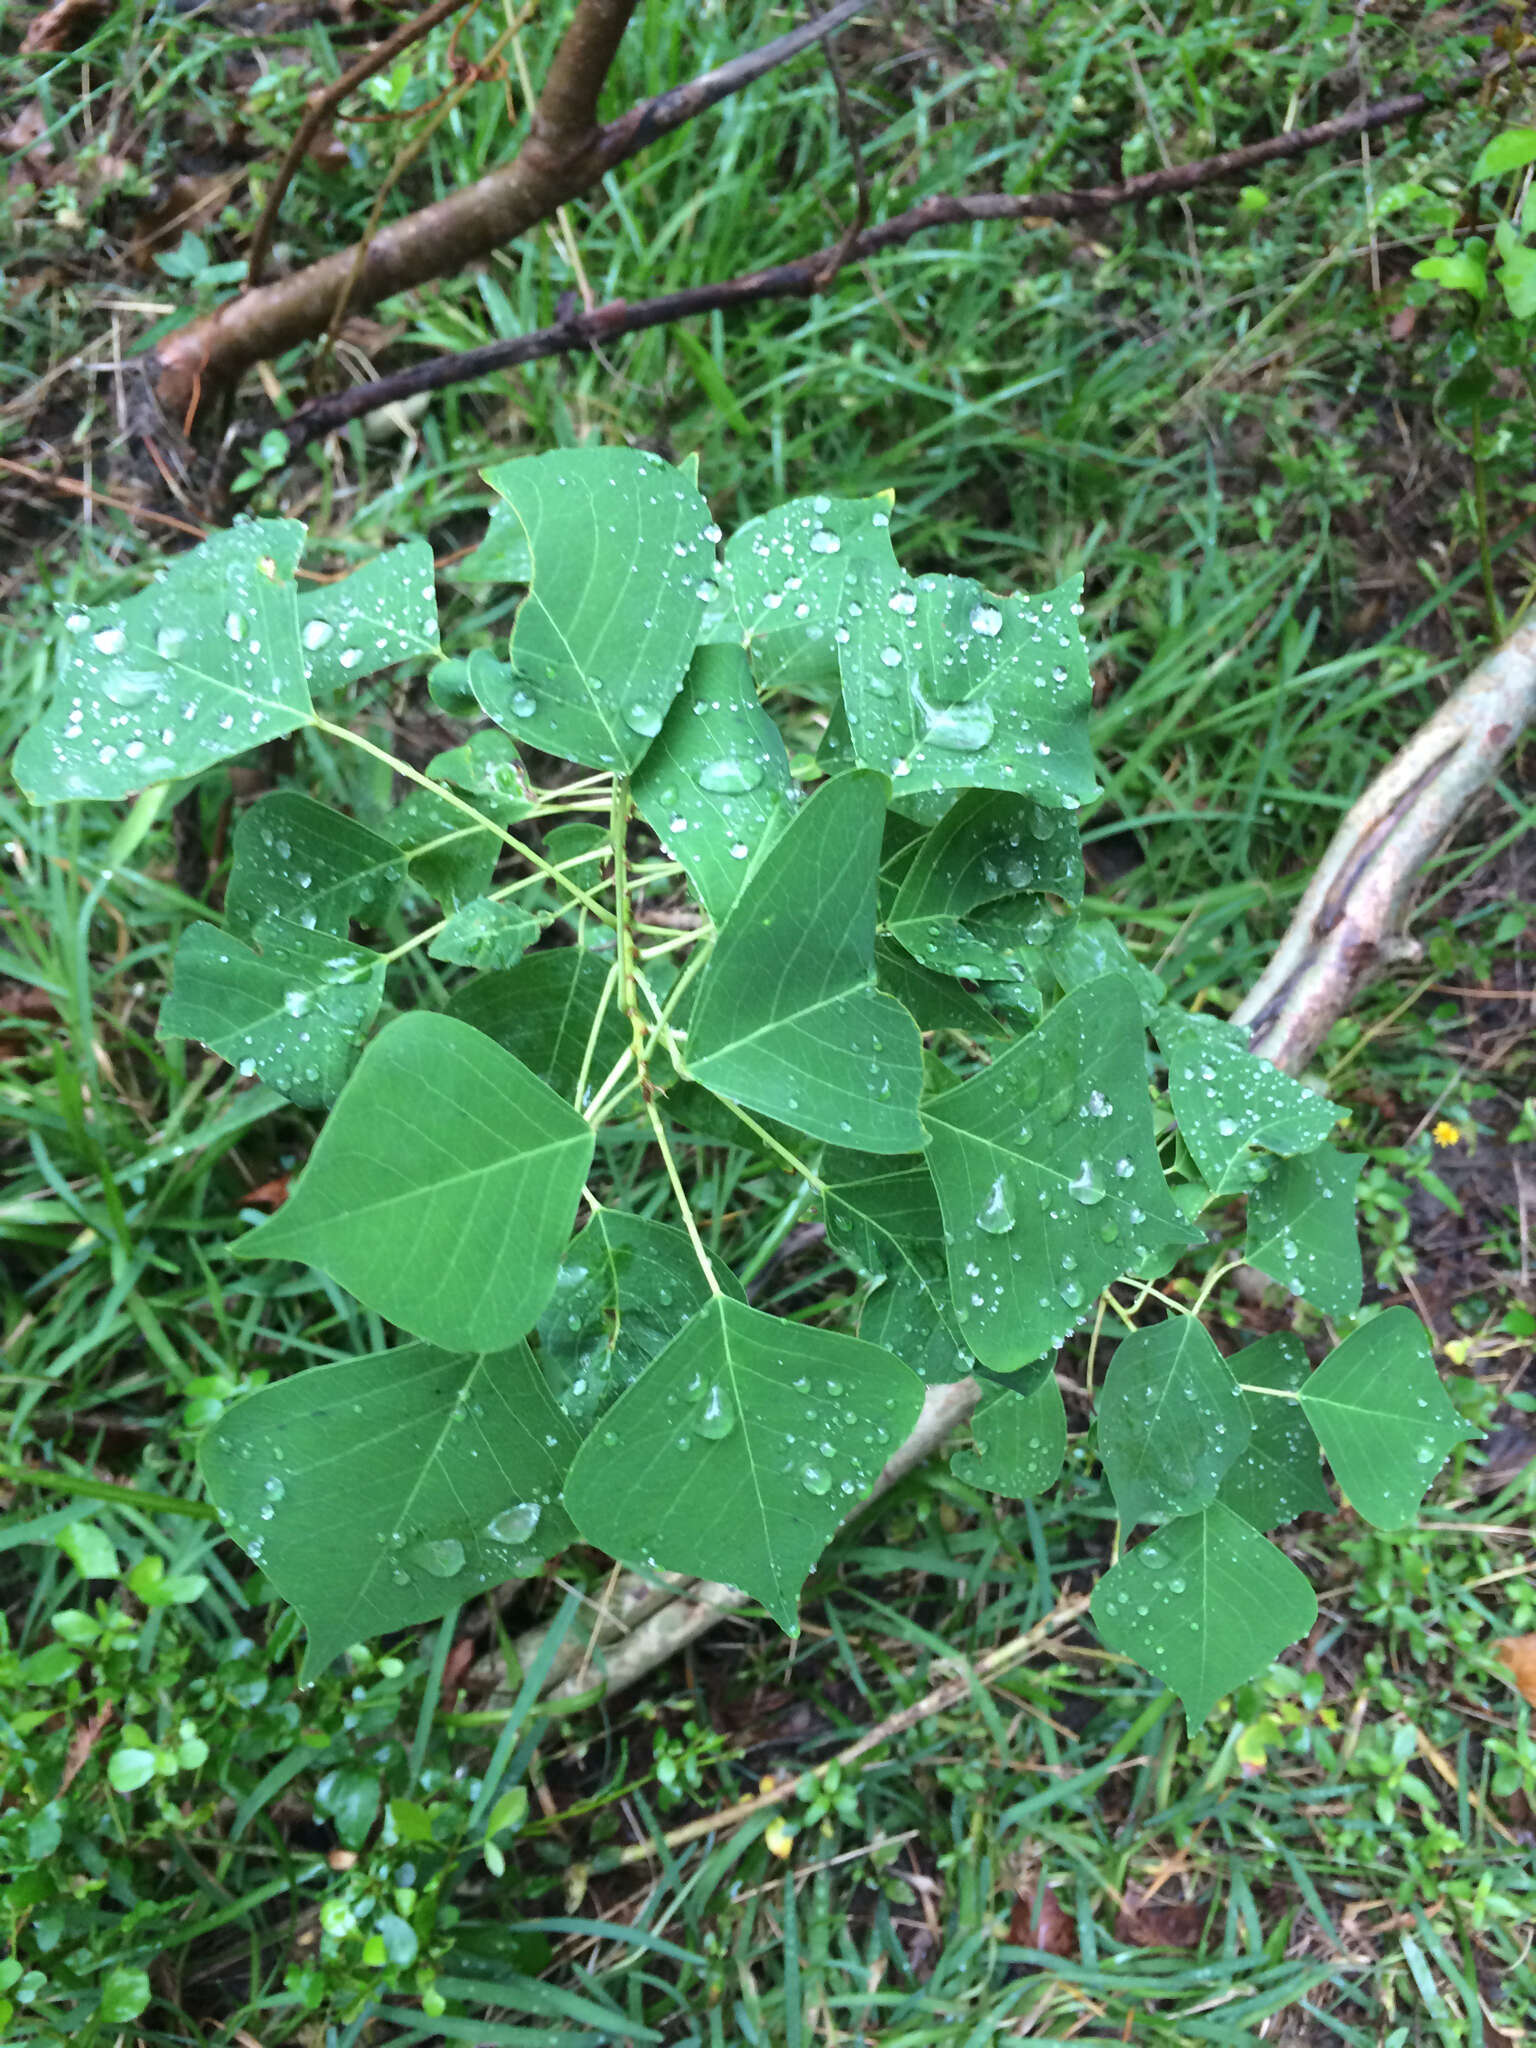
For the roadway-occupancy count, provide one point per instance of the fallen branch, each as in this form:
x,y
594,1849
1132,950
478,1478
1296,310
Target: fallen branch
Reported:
x,y
804,276
564,153
1349,926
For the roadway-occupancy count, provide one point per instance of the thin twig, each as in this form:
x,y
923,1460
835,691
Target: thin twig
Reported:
x,y
323,102
806,275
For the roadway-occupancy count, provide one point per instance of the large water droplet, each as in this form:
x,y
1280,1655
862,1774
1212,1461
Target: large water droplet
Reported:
x,y
1228,1126
824,542
816,1479
891,656
130,686
315,634
987,619
1085,1186
169,641
110,640
717,1418
441,1557
644,719
1071,1293
960,728
522,705
729,777
273,1488
514,1525
996,1217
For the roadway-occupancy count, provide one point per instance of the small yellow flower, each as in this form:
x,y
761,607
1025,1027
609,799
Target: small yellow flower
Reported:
x,y
1445,1132
778,1838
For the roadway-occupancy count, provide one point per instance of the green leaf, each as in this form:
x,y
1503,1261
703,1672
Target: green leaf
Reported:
x,y
448,855
1204,1605
624,1290
883,1216
1048,1177
442,1190
546,1012
195,669
295,1012
1458,273
788,578
739,1450
1383,1418
948,687
788,1020
125,1992
992,844
1171,1421
936,1001
1277,1475
90,1550
487,765
1511,150
715,787
1021,1440
1301,1228
1228,1099
384,612
1517,281
486,934
622,559
448,1468
503,555
314,866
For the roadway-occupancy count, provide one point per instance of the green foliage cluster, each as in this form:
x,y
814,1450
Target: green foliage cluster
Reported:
x,y
880,970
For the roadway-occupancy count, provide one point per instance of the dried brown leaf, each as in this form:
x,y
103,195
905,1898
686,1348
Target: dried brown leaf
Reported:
x,y
1041,1923
1518,1656
1160,1923
62,25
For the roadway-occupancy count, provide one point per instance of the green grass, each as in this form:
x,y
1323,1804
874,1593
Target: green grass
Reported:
x,y
1206,413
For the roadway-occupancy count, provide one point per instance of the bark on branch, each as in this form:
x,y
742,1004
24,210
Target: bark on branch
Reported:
x,y
564,153
806,275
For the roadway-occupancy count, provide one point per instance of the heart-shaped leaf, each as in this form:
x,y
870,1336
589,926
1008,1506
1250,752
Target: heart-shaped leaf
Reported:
x,y
739,1450
883,1217
1048,1177
788,1020
1277,1475
949,687
1021,1440
442,1189
296,859
1384,1420
1203,1605
715,787
192,670
1171,1421
621,561
294,1013
625,1288
384,1490
1227,1099
1301,1228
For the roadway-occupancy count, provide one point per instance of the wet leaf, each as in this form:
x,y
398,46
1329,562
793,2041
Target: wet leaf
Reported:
x,y
787,581
1277,1475
1384,1420
1301,1228
1227,1100
486,934
949,687
739,1450
788,1020
442,1190
620,568
450,1466
311,865
293,1011
625,1289
1203,1605
715,787
190,671
883,1216
384,612
1021,1440
1171,1421
1048,1177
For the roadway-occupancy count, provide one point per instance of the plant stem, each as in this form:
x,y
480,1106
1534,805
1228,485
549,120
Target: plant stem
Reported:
x,y
458,803
1484,544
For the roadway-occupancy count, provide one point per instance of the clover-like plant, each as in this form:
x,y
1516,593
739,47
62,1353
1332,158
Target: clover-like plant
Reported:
x,y
871,968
